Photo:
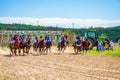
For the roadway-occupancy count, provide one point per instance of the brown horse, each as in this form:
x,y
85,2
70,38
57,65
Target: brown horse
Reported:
x,y
77,47
48,46
14,47
85,45
35,46
41,46
27,47
61,45
22,47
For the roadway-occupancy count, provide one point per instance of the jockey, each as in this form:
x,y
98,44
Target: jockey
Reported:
x,y
41,38
64,36
111,44
28,40
12,39
36,39
61,38
47,38
21,38
77,38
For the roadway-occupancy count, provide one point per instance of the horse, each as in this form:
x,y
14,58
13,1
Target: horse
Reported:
x,y
48,45
77,47
41,46
85,45
35,46
61,45
14,47
27,47
22,47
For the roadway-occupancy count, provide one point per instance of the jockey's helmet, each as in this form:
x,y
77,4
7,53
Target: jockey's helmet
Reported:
x,y
41,35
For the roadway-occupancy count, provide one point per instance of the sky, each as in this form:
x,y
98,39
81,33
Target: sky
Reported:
x,y
64,13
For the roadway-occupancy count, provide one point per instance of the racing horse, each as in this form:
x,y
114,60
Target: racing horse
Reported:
x,y
41,46
14,47
85,45
27,47
61,45
22,47
35,46
78,46
47,46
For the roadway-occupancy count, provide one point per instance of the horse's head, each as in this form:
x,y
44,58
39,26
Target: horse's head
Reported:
x,y
41,43
16,39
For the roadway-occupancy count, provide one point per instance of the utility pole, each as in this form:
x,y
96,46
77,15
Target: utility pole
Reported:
x,y
73,25
37,22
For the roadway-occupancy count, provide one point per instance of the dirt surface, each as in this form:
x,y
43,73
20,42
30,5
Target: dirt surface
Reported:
x,y
62,66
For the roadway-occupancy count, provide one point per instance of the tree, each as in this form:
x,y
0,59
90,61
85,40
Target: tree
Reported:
x,y
71,36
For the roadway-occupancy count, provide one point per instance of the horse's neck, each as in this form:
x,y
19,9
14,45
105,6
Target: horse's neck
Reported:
x,y
16,40
41,41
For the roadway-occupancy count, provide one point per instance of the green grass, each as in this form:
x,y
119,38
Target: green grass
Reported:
x,y
3,47
115,52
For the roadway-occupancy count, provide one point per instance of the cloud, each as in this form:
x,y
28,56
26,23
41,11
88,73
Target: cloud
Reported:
x,y
61,22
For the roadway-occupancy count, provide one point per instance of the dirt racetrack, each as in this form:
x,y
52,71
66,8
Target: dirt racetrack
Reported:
x,y
54,66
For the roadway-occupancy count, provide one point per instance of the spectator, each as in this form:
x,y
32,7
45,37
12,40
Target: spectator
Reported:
x,y
111,44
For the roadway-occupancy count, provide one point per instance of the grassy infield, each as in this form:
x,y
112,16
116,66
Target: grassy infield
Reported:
x,y
115,52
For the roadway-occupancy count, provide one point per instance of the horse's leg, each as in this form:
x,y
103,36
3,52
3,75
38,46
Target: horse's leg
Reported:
x,y
11,51
40,51
75,50
63,49
15,51
19,51
23,50
27,50
58,48
43,49
83,50
47,50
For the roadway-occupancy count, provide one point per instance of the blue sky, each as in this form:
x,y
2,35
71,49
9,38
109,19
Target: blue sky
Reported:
x,y
70,9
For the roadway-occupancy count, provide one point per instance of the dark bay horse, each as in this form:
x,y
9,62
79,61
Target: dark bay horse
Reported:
x,y
77,47
22,47
41,46
85,45
35,46
48,45
61,45
27,47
